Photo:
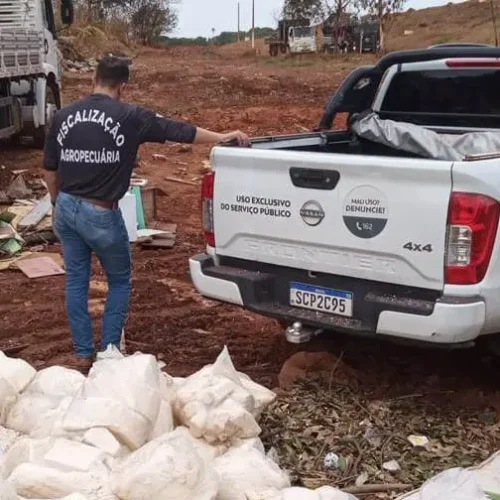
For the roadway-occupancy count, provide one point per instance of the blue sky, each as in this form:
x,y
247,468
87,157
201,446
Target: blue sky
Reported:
x,y
198,17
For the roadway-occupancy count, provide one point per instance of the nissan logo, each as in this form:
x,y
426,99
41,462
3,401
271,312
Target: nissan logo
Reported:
x,y
312,213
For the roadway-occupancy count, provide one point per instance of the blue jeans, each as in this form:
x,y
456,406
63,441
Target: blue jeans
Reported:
x,y
84,228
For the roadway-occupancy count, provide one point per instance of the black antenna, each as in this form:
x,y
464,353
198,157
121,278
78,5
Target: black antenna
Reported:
x,y
494,19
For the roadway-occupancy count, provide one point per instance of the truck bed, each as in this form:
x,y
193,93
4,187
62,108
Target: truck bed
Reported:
x,y
341,142
21,52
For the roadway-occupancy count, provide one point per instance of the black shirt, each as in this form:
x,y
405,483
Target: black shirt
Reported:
x,y
93,144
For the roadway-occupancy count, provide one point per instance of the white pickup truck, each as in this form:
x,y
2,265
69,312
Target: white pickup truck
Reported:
x,y
385,229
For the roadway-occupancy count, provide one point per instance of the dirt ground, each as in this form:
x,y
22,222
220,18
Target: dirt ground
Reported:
x,y
224,91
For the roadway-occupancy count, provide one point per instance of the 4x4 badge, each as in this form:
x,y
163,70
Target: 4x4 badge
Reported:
x,y
312,213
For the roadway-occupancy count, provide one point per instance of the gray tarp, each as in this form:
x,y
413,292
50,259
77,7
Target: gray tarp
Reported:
x,y
424,142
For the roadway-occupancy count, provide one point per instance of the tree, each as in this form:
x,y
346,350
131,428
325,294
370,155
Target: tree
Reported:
x,y
149,19
382,11
304,9
146,20
338,11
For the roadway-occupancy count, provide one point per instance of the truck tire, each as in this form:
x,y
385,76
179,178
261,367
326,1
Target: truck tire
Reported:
x,y
284,49
273,50
52,98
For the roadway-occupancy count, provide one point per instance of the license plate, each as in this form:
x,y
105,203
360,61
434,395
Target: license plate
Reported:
x,y
317,298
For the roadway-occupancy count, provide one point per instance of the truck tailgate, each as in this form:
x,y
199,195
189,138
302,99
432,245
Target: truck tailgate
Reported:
x,y
368,217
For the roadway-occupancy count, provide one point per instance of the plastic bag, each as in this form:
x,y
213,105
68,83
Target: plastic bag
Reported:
x,y
6,491
133,381
30,410
294,493
61,467
57,382
121,394
7,439
129,427
167,468
23,451
247,472
16,371
453,484
215,406
8,397
102,439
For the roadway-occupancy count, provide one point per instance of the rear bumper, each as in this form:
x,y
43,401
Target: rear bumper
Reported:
x,y
381,310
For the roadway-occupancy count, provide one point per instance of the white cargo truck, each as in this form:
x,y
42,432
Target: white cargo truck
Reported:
x,y
30,67
388,228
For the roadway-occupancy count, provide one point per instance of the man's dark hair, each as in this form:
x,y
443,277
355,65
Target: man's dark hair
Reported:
x,y
112,71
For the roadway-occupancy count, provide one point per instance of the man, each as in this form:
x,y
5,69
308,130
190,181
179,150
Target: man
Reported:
x,y
90,153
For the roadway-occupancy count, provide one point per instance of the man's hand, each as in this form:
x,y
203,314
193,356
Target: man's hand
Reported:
x,y
241,138
207,137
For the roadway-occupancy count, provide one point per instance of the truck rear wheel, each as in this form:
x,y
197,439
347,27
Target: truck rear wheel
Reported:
x,y
52,103
273,50
284,49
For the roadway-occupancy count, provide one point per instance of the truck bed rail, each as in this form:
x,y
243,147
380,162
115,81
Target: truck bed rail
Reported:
x,y
21,52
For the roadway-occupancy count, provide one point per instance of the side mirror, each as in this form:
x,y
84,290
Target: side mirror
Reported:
x,y
67,12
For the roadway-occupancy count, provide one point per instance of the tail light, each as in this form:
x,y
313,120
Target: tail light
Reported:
x,y
207,204
472,230
473,63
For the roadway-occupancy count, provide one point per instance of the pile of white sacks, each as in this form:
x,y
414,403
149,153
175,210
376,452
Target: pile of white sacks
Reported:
x,y
130,432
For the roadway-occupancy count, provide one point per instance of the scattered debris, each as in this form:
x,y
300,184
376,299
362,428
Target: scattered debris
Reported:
x,y
35,216
18,189
308,420
418,441
160,157
391,466
186,148
39,267
332,461
362,479
181,181
373,436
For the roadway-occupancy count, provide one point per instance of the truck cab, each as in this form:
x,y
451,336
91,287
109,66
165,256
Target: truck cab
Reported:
x,y
30,66
302,39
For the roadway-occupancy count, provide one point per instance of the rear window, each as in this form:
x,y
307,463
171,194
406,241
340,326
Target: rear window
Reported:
x,y
470,91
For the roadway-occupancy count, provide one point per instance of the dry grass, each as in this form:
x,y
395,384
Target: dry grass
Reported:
x,y
465,22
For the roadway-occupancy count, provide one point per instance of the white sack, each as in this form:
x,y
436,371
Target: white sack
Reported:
x,y
263,396
23,451
16,371
7,439
294,493
6,491
8,397
102,439
215,406
121,394
207,452
167,468
131,428
211,408
133,381
66,467
56,381
453,484
30,411
243,473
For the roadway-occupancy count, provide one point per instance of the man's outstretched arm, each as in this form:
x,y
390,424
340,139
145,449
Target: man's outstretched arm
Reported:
x,y
156,128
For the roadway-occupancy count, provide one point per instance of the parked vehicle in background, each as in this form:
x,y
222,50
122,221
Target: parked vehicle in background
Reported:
x,y
386,229
30,67
293,36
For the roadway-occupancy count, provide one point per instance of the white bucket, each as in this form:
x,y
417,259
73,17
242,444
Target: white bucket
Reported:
x,y
129,211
